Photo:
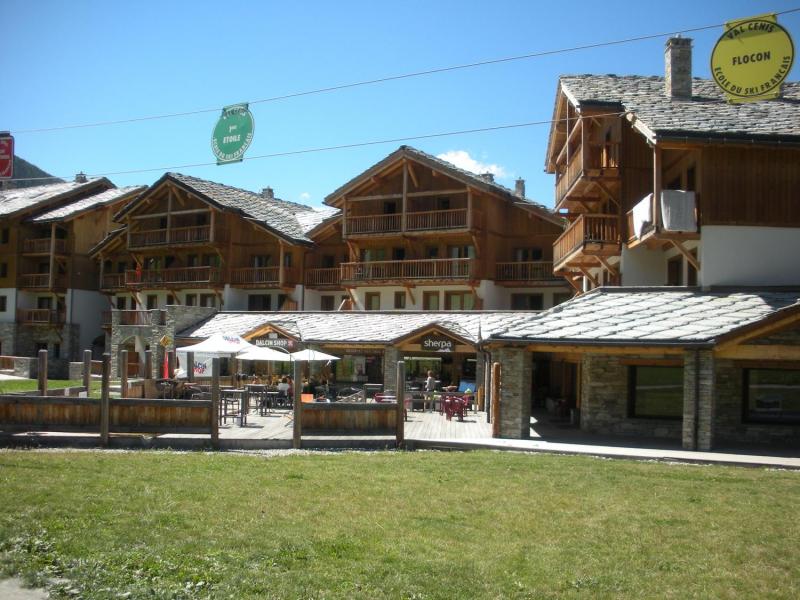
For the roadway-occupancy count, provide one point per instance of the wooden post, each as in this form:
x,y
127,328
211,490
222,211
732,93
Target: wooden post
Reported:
x,y
53,258
123,374
405,196
656,188
401,403
148,364
104,393
87,372
297,432
215,402
496,374
42,372
189,366
170,362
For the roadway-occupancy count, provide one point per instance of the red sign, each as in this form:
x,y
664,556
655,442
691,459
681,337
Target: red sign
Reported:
x,y
6,156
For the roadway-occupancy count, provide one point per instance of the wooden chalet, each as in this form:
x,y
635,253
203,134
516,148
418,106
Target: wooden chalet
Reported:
x,y
421,233
662,180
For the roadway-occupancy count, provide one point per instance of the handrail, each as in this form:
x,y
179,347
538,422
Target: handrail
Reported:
x,y
373,224
323,276
524,271
43,245
454,218
253,275
587,228
40,315
435,268
179,275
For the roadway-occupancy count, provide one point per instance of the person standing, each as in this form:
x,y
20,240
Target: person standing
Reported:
x,y
430,385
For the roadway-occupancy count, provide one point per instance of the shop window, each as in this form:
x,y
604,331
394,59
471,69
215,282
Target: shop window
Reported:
x,y
399,300
208,300
527,302
152,302
459,301
259,302
430,300
372,301
327,303
675,271
655,392
771,396
191,299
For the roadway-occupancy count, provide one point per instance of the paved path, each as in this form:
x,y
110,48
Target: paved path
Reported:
x,y
11,589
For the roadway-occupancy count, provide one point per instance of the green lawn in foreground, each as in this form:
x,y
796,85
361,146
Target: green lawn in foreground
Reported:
x,y
8,386
397,525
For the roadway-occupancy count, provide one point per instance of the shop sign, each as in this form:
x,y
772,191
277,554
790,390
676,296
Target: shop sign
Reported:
x,y
6,155
274,342
752,58
232,134
437,343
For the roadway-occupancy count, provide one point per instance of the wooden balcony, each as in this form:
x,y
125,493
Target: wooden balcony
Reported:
x,y
588,236
256,276
40,316
182,277
41,281
655,235
176,236
112,282
373,224
42,246
533,272
434,220
446,269
420,221
589,176
323,278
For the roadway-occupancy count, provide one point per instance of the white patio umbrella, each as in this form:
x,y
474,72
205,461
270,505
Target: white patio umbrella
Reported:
x,y
262,353
313,355
219,344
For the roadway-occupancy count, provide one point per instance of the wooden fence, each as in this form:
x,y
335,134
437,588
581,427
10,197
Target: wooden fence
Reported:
x,y
341,417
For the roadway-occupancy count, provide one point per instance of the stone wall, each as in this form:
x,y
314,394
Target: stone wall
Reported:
x,y
8,336
515,392
28,336
391,356
702,362
604,400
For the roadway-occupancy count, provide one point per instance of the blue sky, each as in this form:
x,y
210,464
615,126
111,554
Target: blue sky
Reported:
x,y
66,63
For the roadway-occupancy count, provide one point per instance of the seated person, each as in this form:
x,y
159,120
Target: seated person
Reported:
x,y
284,386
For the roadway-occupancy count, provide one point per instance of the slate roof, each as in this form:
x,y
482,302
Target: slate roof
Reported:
x,y
648,316
457,173
705,115
80,206
16,201
289,220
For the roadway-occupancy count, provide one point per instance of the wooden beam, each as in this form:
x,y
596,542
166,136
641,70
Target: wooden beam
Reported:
x,y
395,196
412,174
589,276
404,200
773,324
656,208
608,266
572,283
686,254
616,350
192,211
602,187
410,294
761,352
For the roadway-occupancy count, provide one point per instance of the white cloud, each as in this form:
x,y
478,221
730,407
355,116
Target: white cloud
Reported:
x,y
463,160
305,196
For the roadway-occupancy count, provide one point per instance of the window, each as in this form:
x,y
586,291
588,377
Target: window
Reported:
x,y
56,350
372,301
432,252
208,300
771,395
121,301
328,261
3,269
171,299
287,259
259,302
442,203
210,260
675,271
561,297
191,299
3,303
398,253
4,235
691,272
389,207
655,392
282,299
373,254
121,266
44,302
152,302
430,300
399,300
191,260
459,301
527,254
527,302
461,251
327,302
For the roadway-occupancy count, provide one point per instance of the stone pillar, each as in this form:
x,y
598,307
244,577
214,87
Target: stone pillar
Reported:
x,y
515,392
698,399
391,356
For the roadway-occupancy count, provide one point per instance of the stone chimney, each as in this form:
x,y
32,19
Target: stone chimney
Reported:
x,y
81,177
678,67
519,188
268,192
487,177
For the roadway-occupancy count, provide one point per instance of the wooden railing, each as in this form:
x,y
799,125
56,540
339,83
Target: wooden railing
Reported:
x,y
446,268
180,276
105,319
41,280
596,229
570,175
42,246
455,218
322,277
142,317
40,315
256,275
373,224
112,281
524,271
198,234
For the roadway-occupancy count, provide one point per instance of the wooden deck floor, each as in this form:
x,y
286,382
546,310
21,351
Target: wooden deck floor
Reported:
x,y
420,425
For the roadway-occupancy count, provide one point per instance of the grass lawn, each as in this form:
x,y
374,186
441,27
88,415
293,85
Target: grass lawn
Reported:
x,y
396,525
8,386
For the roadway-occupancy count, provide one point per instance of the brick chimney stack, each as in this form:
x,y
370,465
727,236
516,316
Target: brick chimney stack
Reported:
x,y
678,67
81,177
519,188
268,192
487,177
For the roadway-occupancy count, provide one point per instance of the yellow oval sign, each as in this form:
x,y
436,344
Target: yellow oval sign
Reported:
x,y
752,58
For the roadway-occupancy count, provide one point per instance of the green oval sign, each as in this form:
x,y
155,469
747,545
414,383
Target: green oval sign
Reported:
x,y
232,134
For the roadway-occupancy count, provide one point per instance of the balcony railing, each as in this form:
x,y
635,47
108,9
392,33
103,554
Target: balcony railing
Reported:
x,y
455,218
540,270
570,176
40,316
112,281
199,234
41,281
182,276
142,317
602,230
256,276
323,277
602,160
431,269
374,224
43,245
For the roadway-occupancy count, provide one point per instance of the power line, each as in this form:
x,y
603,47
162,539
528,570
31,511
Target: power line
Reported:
x,y
392,78
331,148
